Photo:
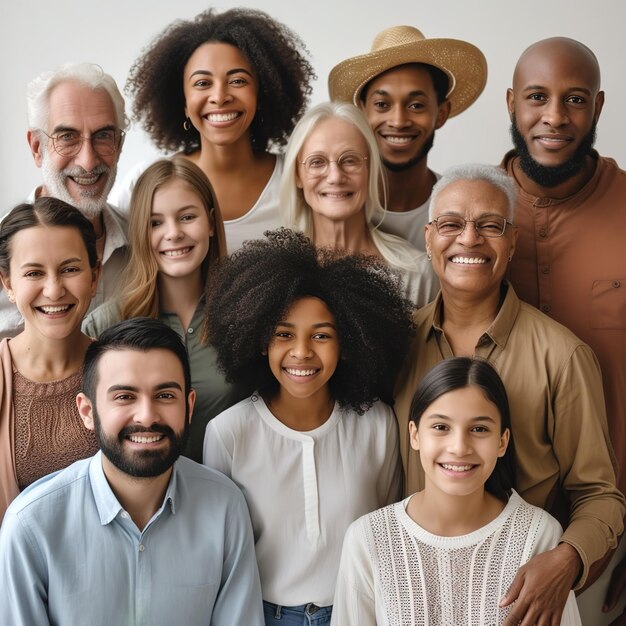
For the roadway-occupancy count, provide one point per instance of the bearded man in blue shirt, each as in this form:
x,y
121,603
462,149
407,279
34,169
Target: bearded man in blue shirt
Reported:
x,y
135,534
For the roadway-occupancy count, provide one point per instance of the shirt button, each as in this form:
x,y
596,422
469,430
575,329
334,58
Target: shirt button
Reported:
x,y
125,515
141,547
543,232
615,284
545,269
546,308
190,330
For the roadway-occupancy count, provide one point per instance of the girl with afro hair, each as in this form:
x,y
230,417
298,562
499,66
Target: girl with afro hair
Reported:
x,y
224,89
321,337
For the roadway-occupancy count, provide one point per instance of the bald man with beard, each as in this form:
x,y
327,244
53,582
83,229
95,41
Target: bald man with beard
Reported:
x,y
570,260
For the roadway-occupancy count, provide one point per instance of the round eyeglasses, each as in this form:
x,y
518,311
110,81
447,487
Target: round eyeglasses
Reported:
x,y
104,142
486,225
317,165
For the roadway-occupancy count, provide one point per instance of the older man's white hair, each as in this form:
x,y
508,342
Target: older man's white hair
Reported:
x,y
89,74
491,174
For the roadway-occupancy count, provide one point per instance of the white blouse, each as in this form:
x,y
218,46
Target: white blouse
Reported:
x,y
305,488
393,572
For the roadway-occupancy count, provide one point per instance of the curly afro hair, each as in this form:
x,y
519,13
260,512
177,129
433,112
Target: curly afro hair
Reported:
x,y
275,52
252,290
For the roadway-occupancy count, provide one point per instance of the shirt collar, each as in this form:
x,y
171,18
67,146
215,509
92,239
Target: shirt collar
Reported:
x,y
115,226
108,505
116,230
499,330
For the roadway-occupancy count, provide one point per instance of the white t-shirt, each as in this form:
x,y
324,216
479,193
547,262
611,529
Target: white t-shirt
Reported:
x,y
406,224
305,488
421,284
394,572
264,215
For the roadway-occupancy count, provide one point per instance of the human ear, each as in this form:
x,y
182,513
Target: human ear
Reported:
x,y
510,102
6,283
428,234
95,276
599,103
413,436
85,410
34,141
515,234
191,401
443,112
504,442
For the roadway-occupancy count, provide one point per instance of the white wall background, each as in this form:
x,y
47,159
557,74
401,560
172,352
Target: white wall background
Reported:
x,y
38,35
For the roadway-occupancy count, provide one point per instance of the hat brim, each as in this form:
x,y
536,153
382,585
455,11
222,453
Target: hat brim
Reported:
x,y
464,64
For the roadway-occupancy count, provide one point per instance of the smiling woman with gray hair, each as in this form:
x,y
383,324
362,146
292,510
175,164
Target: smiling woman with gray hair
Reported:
x,y
564,461
330,191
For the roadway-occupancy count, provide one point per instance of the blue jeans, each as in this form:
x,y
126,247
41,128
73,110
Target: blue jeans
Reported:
x,y
303,615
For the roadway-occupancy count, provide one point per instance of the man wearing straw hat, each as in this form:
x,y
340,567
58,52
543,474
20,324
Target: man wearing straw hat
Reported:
x,y
408,86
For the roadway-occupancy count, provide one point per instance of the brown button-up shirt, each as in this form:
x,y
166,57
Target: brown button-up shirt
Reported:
x,y
564,460
570,263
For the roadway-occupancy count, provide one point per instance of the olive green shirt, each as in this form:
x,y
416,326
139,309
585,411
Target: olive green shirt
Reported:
x,y
213,393
565,463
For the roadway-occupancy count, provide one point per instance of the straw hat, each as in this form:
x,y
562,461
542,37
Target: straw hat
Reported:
x,y
464,64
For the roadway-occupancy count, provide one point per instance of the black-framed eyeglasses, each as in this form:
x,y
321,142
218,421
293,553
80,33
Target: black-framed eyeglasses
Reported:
x,y
317,165
104,142
486,225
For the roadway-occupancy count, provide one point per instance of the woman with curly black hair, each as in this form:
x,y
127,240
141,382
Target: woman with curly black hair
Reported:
x,y
223,88
321,337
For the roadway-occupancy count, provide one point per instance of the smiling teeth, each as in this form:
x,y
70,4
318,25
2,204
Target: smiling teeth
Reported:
x,y
295,372
395,139
457,468
468,260
178,252
145,439
86,180
222,117
54,309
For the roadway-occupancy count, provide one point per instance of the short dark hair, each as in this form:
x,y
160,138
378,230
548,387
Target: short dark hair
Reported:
x,y
461,372
141,334
441,83
45,211
250,292
275,52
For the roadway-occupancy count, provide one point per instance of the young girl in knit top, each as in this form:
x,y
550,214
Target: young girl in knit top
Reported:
x,y
447,554
321,337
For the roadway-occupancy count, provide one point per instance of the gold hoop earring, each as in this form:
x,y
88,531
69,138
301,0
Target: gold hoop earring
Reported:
x,y
187,124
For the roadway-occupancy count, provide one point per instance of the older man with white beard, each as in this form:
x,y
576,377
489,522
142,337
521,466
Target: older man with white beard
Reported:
x,y
76,123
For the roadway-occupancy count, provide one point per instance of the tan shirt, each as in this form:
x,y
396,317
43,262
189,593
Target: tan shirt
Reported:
x,y
570,262
564,461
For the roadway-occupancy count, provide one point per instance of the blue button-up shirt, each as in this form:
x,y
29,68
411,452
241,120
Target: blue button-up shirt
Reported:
x,y
70,554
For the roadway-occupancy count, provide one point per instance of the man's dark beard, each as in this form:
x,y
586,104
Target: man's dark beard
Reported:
x,y
552,175
146,464
405,165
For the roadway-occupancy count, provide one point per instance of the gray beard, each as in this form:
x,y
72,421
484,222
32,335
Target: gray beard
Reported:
x,y
89,205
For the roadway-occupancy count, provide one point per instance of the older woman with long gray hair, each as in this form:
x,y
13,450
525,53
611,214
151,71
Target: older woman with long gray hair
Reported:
x,y
331,189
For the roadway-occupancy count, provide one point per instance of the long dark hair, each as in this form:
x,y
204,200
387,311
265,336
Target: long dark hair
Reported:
x,y
461,372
